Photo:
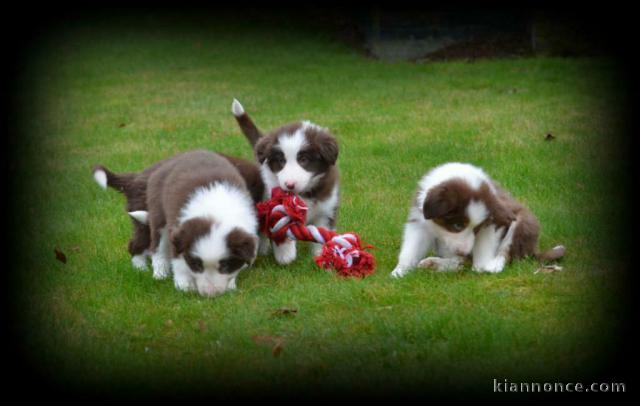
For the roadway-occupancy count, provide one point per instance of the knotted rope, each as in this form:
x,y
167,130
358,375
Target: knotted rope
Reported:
x,y
284,216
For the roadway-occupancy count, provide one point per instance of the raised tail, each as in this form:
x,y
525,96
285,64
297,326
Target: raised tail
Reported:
x,y
247,126
142,216
119,181
553,254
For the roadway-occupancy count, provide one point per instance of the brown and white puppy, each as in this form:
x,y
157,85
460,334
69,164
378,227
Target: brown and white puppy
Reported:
x,y
299,157
460,212
206,251
202,222
134,187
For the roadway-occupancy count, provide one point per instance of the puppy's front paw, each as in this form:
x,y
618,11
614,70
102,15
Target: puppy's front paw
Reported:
x,y
430,263
440,264
285,253
184,283
139,262
161,267
399,272
494,266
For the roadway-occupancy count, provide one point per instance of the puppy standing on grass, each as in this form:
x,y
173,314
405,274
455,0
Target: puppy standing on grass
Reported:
x,y
460,212
202,222
200,215
299,157
134,187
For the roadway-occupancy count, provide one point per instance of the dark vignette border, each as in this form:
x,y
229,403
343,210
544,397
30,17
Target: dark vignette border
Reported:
x,y
30,31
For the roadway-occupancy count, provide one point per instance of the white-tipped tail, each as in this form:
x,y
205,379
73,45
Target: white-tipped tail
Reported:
x,y
553,254
101,178
139,262
140,215
236,108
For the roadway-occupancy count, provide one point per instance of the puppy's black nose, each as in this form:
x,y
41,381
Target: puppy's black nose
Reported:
x,y
290,185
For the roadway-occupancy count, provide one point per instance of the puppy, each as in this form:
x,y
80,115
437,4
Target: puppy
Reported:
x,y
134,187
202,222
299,157
460,212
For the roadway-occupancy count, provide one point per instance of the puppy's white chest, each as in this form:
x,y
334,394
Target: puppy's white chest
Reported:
x,y
322,208
314,209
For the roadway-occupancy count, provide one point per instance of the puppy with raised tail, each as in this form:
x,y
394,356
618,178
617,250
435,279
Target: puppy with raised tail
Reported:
x,y
461,213
299,157
200,218
134,186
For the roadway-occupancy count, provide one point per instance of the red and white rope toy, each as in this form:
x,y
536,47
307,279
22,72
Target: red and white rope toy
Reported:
x,y
284,215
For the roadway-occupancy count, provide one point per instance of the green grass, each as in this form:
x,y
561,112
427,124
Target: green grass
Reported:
x,y
128,97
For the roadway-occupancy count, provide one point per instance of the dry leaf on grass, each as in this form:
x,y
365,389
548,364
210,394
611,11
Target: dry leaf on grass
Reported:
x,y
60,256
276,343
202,326
285,311
262,340
549,269
549,137
277,349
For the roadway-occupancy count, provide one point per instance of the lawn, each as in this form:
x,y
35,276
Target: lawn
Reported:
x,y
128,93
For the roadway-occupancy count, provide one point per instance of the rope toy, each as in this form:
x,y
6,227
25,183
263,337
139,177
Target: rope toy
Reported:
x,y
284,215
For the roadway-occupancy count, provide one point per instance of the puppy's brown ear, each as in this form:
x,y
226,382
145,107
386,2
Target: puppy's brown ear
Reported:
x,y
242,245
439,201
263,148
501,214
178,241
184,236
329,149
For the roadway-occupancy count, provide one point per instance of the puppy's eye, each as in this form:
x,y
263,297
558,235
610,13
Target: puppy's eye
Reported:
x,y
303,159
230,265
277,158
194,263
458,226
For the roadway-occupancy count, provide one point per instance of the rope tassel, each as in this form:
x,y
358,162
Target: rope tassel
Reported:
x,y
283,217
